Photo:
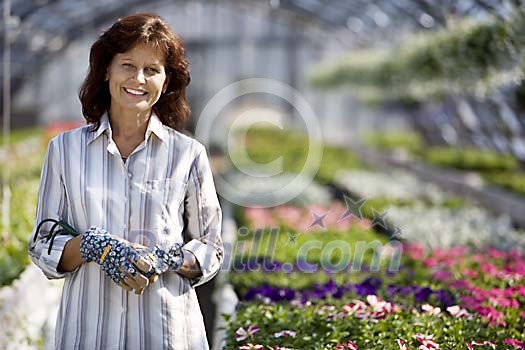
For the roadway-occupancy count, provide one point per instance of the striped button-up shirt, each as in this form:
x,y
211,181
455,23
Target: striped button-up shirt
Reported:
x,y
161,195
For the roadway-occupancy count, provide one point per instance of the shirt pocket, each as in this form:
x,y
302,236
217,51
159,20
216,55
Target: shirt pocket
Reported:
x,y
166,191
166,209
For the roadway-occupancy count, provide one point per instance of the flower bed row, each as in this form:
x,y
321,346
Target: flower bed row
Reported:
x,y
442,221
502,170
457,298
462,297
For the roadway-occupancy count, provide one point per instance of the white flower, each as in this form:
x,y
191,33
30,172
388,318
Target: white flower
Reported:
x,y
429,309
244,332
458,312
286,332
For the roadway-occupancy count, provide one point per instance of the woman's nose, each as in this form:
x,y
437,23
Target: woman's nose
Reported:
x,y
139,76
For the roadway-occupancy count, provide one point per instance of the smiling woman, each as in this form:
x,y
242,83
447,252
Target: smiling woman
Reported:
x,y
124,47
127,202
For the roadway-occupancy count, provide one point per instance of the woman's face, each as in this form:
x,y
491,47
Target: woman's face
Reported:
x,y
137,78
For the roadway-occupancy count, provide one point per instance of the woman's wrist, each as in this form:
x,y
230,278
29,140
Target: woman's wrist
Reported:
x,y
71,258
190,267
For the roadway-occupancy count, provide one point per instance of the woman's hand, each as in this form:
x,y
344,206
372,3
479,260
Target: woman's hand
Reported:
x,y
175,259
161,260
117,257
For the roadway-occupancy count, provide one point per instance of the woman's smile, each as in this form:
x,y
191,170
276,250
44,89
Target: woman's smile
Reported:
x,y
135,92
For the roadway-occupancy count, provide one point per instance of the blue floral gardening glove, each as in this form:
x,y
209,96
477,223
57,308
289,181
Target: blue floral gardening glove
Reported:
x,y
118,258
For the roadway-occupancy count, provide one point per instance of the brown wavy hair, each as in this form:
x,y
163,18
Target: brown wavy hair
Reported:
x,y
142,28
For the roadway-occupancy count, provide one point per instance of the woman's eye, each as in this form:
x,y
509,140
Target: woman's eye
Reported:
x,y
127,65
153,70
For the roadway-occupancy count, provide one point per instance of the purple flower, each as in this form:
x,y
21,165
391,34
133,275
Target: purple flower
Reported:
x,y
368,286
423,294
445,298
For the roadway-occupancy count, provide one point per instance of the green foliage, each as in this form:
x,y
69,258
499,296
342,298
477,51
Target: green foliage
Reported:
x,y
334,160
24,179
470,159
259,244
466,58
316,331
264,145
514,181
409,141
20,135
498,169
267,145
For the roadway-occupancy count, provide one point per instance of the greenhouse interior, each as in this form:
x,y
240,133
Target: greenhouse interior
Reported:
x,y
368,157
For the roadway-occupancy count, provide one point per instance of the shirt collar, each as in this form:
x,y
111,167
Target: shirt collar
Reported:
x,y
154,125
103,126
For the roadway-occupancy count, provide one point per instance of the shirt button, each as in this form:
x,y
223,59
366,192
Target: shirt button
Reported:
x,y
129,174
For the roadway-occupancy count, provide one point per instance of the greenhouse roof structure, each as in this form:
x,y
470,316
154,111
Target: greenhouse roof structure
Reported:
x,y
39,29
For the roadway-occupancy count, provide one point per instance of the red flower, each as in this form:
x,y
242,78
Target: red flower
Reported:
x,y
348,345
401,344
514,342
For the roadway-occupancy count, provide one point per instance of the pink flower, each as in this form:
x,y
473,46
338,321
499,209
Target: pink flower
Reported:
x,y
491,270
415,251
250,346
469,273
492,315
244,332
460,284
470,302
348,345
496,254
514,342
442,275
260,218
520,290
430,262
505,302
523,315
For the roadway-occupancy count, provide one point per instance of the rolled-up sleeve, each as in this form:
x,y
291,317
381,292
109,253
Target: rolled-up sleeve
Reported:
x,y
51,204
203,219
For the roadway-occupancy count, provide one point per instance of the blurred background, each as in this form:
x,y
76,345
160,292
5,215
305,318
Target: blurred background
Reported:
x,y
415,110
